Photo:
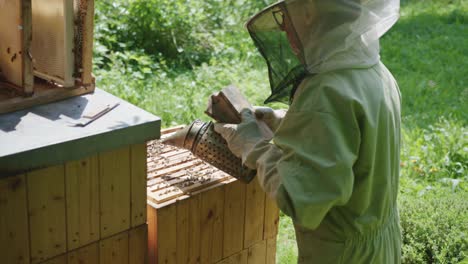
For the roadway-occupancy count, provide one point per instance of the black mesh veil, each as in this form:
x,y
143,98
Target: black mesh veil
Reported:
x,y
299,37
277,41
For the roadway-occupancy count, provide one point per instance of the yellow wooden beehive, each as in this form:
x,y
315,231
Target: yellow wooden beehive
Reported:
x,y
198,214
45,51
91,210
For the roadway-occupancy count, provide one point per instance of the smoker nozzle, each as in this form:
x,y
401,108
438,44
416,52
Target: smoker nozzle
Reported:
x,y
200,138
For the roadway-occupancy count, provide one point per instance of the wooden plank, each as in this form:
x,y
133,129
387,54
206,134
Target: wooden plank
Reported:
x,y
194,230
257,253
88,254
238,258
173,178
114,249
62,259
69,57
167,235
87,48
211,233
41,96
152,234
138,178
271,251
11,44
14,235
183,230
186,186
82,189
271,218
254,214
234,212
28,74
114,172
174,169
46,190
138,243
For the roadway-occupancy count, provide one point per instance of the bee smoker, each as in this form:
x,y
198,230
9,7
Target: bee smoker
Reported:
x,y
201,139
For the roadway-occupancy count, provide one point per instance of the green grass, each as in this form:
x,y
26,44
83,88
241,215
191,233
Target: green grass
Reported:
x,y
427,51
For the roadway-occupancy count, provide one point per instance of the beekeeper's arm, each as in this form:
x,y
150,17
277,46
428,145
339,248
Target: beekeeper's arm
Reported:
x,y
309,168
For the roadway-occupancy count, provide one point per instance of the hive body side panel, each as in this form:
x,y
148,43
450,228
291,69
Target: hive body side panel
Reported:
x,y
138,239
114,173
11,42
14,235
88,254
271,218
138,192
62,259
194,227
46,194
234,213
257,253
114,249
211,233
152,234
254,214
183,230
82,189
238,258
271,251
166,235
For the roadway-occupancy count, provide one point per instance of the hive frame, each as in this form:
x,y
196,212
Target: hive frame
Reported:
x,y
68,79
33,91
26,80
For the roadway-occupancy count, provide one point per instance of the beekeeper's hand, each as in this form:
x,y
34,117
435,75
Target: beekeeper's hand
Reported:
x,y
242,138
271,117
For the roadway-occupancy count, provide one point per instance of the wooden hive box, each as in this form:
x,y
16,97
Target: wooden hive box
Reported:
x,y
215,219
75,194
45,51
91,210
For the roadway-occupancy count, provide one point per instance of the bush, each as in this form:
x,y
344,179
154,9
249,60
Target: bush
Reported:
x,y
434,227
182,32
438,152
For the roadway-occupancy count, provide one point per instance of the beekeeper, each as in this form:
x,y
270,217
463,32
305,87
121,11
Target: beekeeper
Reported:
x,y
333,163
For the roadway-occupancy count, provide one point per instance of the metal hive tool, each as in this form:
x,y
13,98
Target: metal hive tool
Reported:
x,y
201,139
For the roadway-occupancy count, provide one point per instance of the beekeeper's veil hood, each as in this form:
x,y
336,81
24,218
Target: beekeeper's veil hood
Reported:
x,y
300,37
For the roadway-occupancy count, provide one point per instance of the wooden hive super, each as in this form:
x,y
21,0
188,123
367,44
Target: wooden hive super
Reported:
x,y
91,210
198,214
45,51
75,194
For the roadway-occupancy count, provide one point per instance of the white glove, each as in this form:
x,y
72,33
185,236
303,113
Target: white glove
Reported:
x,y
271,117
242,138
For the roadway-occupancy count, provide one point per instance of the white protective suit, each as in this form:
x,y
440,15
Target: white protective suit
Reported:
x,y
333,164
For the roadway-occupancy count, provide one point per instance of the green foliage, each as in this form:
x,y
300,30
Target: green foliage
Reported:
x,y
167,56
434,227
183,32
427,52
161,27
438,152
287,248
